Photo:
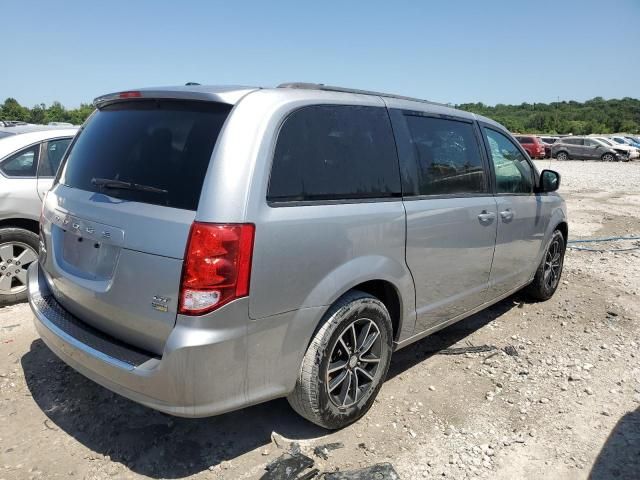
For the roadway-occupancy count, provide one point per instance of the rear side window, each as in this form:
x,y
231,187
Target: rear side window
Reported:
x,y
53,152
334,152
525,139
447,155
22,164
161,144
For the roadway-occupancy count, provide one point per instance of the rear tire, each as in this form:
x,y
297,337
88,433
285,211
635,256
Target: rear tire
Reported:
x,y
562,156
338,383
18,249
547,277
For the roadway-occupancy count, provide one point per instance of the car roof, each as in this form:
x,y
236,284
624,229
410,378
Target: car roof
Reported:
x,y
11,144
232,94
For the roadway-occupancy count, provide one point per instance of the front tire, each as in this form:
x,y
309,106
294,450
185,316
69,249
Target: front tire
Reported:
x,y
346,363
18,249
547,277
608,157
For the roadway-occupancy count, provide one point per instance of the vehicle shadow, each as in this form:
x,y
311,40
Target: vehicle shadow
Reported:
x,y
161,446
410,356
620,455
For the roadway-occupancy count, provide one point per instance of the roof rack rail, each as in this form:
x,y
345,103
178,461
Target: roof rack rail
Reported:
x,y
332,88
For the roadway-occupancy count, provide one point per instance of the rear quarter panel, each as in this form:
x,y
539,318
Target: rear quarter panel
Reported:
x,y
19,198
305,256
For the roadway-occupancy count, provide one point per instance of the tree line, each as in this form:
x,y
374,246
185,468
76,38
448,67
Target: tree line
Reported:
x,y
41,114
593,116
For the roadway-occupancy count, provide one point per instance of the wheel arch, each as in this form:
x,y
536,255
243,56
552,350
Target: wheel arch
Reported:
x,y
24,223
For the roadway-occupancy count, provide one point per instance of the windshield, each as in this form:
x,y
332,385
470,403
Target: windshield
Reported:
x,y
162,146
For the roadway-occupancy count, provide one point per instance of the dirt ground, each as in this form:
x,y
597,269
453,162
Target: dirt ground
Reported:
x,y
564,402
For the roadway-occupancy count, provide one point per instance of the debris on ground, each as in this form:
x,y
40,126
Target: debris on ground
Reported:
x,y
287,466
284,443
322,451
463,350
510,350
381,471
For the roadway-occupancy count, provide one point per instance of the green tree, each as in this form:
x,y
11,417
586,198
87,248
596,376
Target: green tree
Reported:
x,y
12,110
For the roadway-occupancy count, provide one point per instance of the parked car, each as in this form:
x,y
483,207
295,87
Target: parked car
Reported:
x,y
622,140
548,142
208,248
586,148
636,140
627,150
532,145
28,162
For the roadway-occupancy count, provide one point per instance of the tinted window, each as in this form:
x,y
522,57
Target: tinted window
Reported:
x,y
512,170
447,156
525,139
573,141
52,156
162,144
22,163
335,152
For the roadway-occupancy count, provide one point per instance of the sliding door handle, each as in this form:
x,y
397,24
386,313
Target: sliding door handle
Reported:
x,y
486,217
507,215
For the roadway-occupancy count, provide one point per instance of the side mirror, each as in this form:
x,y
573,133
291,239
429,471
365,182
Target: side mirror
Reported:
x,y
549,181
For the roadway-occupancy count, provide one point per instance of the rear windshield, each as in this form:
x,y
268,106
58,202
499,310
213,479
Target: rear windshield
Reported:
x,y
162,144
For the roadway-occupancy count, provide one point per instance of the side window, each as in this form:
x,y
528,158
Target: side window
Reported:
x,y
335,152
53,152
447,156
512,170
22,163
590,143
525,139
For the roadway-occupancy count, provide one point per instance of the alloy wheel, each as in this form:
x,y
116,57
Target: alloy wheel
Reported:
x,y
553,265
353,363
15,258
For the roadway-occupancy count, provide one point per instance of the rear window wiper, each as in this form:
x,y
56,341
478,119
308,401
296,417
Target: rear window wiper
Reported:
x,y
121,184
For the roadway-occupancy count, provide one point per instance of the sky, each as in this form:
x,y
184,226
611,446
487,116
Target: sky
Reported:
x,y
446,51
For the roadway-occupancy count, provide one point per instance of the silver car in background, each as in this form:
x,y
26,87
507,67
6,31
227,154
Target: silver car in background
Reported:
x,y
29,159
587,148
208,248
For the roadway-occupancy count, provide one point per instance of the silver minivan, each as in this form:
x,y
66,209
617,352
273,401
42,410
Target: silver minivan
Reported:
x,y
208,248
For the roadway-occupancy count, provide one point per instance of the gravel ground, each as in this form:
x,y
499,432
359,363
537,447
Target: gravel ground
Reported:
x,y
558,397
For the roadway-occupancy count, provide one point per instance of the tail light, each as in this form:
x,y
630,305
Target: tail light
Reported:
x,y
217,266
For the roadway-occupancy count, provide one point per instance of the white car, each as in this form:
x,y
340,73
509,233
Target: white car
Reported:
x,y
29,160
623,141
632,152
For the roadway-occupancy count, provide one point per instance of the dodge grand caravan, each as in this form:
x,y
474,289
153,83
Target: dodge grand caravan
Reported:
x,y
208,248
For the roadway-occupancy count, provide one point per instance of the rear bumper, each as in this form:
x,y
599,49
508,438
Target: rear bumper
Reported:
x,y
202,370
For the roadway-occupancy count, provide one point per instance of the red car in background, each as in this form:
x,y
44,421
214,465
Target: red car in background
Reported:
x,y
532,144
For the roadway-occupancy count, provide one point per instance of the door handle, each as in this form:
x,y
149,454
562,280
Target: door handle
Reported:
x,y
486,217
507,215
